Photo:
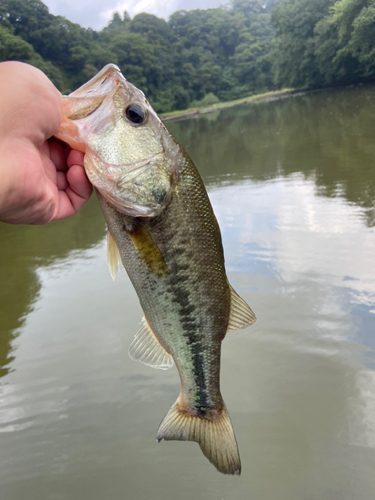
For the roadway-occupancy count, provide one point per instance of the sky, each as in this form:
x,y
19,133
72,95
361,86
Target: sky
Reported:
x,y
95,14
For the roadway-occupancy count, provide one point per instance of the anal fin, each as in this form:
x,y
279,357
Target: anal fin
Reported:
x,y
241,314
147,349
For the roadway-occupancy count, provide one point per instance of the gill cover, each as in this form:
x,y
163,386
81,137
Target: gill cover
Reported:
x,y
130,157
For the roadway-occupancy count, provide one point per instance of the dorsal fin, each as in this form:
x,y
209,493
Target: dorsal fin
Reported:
x,y
147,349
113,256
241,315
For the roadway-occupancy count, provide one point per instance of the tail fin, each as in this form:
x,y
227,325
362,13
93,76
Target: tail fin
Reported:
x,y
214,435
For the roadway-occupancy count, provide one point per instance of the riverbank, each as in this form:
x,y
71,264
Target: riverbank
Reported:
x,y
194,112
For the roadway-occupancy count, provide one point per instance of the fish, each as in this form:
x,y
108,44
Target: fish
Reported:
x,y
163,231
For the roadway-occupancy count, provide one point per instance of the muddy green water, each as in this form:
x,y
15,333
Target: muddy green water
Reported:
x,y
293,185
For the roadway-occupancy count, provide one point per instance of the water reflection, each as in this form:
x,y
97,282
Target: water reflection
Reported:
x,y
293,197
19,289
326,136
281,231
23,251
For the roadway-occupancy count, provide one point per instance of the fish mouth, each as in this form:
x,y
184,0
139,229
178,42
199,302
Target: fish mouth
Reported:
x,y
89,97
102,83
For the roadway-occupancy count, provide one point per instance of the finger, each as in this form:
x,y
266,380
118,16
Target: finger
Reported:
x,y
57,155
61,181
78,182
76,195
75,158
64,207
67,151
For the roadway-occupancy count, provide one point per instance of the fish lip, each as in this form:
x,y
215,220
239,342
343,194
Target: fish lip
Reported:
x,y
100,88
110,71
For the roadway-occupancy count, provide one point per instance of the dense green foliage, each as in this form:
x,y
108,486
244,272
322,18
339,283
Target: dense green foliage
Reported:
x,y
324,42
235,50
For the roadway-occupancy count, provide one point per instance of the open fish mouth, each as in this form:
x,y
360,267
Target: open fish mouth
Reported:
x,y
102,83
89,97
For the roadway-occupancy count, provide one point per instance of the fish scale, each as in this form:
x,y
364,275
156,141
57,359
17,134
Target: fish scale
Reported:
x,y
197,327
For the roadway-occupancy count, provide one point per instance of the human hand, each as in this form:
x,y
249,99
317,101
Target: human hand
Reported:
x,y
41,179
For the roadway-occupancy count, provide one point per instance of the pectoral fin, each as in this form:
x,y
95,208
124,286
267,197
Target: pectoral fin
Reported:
x,y
147,349
240,313
149,251
113,256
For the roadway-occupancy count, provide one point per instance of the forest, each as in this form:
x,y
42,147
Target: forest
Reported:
x,y
236,50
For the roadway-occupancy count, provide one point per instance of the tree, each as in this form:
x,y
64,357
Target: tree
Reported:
x,y
294,59
231,51
355,22
14,48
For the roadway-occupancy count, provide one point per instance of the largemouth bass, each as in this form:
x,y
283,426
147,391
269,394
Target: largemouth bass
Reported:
x,y
162,229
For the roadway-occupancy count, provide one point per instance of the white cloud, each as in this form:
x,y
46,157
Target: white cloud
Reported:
x,y
133,8
96,13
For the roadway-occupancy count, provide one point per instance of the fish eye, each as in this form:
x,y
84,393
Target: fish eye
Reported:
x,y
136,114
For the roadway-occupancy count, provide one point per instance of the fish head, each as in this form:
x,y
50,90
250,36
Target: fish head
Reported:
x,y
130,157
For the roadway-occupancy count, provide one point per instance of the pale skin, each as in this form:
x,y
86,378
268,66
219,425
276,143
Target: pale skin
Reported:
x,y
41,180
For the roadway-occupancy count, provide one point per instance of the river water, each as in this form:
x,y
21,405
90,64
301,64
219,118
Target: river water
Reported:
x,y
292,183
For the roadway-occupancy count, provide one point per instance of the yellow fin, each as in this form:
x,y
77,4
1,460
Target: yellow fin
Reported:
x,y
241,315
147,349
149,251
113,256
214,435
